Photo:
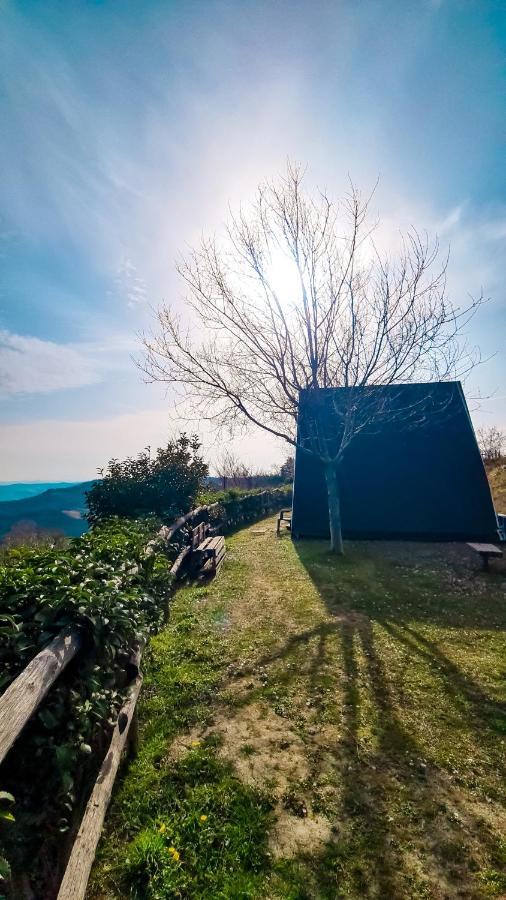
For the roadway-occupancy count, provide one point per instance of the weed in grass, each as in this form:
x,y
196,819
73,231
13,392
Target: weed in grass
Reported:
x,y
494,883
204,837
247,750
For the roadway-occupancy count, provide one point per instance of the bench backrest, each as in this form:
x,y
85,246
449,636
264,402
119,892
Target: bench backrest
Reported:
x,y
198,534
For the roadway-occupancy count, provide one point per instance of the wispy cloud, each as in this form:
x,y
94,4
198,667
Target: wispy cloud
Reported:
x,y
131,127
29,365
129,284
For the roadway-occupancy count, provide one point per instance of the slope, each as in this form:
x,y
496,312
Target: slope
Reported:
x,y
61,509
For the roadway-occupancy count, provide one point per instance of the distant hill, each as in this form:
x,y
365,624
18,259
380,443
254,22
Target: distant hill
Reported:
x,y
18,490
61,509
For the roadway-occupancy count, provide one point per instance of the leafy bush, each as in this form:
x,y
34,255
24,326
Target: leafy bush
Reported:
x,y
108,587
210,495
98,583
165,485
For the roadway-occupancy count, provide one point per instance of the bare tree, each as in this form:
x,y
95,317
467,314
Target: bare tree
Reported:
x,y
230,469
352,318
491,442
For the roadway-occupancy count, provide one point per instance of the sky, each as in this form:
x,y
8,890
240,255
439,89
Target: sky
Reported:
x,y
127,129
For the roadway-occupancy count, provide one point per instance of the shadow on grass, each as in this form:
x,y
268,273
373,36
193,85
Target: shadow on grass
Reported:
x,y
361,593
485,714
397,801
404,606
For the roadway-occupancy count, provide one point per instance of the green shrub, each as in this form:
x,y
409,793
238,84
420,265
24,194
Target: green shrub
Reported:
x,y
105,585
102,583
165,485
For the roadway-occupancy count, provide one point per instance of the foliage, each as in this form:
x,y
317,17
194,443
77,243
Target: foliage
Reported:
x,y
98,584
496,472
165,485
112,590
106,586
287,470
5,816
209,495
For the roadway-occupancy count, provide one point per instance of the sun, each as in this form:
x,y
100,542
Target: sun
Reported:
x,y
283,277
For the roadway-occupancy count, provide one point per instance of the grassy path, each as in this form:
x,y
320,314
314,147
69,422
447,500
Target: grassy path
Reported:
x,y
315,728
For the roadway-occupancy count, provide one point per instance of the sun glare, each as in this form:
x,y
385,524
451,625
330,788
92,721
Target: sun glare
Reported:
x,y
283,277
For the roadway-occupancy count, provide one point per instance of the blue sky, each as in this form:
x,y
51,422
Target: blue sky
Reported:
x,y
128,128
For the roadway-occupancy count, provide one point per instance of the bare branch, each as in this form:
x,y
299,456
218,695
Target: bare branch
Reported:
x,y
350,317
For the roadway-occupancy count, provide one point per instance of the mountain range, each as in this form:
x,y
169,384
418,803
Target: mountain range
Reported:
x,y
57,508
18,490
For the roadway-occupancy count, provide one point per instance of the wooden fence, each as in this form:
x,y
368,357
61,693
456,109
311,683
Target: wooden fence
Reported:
x,y
25,694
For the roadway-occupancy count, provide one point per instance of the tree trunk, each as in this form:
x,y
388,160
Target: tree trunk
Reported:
x,y
336,538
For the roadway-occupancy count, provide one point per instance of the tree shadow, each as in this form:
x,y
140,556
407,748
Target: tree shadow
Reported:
x,y
366,857
397,811
441,584
364,801
484,713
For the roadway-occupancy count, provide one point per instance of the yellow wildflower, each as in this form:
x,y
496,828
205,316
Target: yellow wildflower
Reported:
x,y
196,743
174,853
163,828
203,818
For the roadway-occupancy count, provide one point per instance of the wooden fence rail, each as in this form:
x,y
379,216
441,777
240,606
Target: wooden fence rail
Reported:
x,y
77,873
27,691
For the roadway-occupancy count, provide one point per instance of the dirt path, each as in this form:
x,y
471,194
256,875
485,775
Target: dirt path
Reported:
x,y
361,700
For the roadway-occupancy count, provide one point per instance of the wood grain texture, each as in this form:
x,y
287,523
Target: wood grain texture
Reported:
x,y
179,561
77,873
486,548
27,691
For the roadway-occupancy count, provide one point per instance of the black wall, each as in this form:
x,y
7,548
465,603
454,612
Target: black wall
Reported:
x,y
422,482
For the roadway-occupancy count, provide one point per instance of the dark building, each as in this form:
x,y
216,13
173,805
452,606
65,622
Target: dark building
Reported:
x,y
414,474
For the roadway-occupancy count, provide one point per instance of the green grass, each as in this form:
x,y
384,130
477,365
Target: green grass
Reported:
x,y
159,845
341,723
204,834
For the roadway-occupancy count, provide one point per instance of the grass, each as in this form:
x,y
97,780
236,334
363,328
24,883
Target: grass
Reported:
x,y
497,477
205,834
340,724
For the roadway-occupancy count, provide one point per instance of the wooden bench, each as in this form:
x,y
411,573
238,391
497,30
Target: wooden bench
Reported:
x,y
209,555
208,552
486,551
284,520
